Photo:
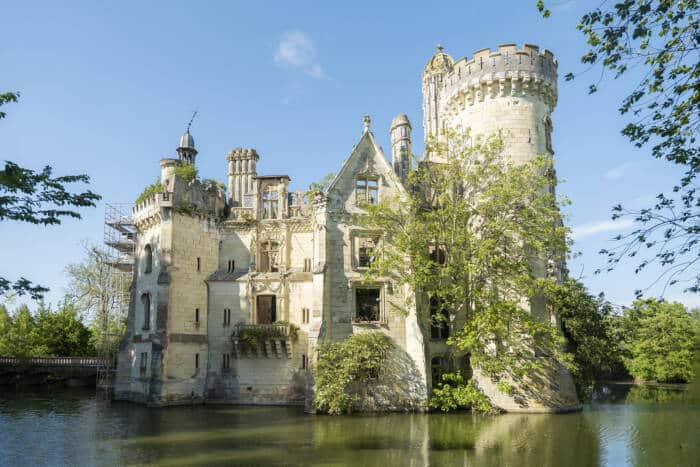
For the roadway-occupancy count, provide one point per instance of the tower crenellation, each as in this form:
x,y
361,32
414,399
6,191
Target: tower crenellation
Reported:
x,y
511,89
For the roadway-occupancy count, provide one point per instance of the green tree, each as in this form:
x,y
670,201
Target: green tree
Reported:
x,y
61,333
587,325
477,234
19,336
660,341
655,46
100,294
38,198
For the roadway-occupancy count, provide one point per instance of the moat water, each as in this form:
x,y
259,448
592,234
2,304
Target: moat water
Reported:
x,y
624,425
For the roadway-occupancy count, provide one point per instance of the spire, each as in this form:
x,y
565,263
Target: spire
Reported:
x,y
365,124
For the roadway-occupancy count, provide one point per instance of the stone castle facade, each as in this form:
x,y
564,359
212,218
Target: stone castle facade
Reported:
x,y
234,291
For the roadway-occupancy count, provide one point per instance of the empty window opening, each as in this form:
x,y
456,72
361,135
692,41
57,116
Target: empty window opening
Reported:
x,y
438,254
196,315
269,252
303,361
437,368
266,309
226,361
199,264
307,264
231,266
196,361
365,251
143,364
439,319
304,315
270,204
366,190
367,305
227,316
147,259
146,301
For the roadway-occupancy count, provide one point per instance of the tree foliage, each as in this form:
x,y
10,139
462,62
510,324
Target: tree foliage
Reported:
x,y
37,197
320,186
100,295
660,341
659,42
344,368
45,333
479,234
150,190
587,322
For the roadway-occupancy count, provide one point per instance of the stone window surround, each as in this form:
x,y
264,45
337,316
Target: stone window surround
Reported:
x,y
359,284
366,182
355,236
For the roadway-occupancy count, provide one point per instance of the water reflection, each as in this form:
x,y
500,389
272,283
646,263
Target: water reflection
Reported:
x,y
620,427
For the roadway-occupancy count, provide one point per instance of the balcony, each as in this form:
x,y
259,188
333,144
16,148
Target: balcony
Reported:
x,y
264,340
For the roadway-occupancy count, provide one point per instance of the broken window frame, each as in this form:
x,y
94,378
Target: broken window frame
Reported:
x,y
367,190
269,256
359,317
270,204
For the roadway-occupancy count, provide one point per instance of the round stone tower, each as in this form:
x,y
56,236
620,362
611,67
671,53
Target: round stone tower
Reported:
x,y
510,89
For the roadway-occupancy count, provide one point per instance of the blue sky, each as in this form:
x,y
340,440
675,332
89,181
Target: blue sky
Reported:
x,y
107,89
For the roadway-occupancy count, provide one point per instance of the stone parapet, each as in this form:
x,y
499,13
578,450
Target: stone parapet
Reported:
x,y
509,71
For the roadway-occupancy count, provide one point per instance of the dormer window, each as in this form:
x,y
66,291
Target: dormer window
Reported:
x,y
366,190
270,204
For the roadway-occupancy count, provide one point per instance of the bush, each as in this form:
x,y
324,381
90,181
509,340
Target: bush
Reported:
x,y
456,392
257,336
149,191
187,172
344,367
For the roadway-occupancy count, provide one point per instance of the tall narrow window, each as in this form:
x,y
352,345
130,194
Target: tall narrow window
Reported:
x,y
366,190
143,364
146,302
303,361
307,265
439,319
304,315
270,204
147,259
199,264
231,266
268,256
196,315
226,361
365,251
227,316
196,361
367,305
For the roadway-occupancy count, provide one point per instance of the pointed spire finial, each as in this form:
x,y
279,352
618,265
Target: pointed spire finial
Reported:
x,y
194,114
365,121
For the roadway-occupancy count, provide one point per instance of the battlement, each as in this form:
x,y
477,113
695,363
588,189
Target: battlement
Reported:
x,y
242,153
508,71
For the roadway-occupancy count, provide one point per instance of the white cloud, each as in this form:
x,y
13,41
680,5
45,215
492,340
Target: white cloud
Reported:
x,y
616,173
298,51
594,228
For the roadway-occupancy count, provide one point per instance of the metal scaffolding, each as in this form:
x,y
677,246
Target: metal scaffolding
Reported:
x,y
118,258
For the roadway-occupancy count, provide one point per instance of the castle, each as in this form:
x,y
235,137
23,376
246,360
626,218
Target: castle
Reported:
x,y
233,292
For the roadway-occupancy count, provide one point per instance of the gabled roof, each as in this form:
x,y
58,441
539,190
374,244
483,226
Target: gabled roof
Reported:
x,y
367,135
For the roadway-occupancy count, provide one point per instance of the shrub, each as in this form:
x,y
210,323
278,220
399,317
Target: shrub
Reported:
x,y
187,172
149,191
256,336
344,367
457,392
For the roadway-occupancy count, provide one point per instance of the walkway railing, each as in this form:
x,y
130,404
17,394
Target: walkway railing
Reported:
x,y
81,362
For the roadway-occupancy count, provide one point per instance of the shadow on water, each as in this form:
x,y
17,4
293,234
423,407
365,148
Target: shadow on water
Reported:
x,y
624,425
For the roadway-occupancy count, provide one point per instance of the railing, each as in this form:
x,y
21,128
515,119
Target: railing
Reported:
x,y
81,362
277,330
240,213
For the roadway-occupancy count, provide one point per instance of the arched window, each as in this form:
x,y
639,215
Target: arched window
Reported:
x,y
146,301
147,259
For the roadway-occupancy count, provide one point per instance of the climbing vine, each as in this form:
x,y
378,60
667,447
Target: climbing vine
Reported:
x,y
343,368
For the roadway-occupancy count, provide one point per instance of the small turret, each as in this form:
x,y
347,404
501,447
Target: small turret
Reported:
x,y
400,145
241,174
434,73
186,151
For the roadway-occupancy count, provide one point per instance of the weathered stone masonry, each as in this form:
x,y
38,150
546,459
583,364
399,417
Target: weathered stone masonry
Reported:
x,y
213,266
